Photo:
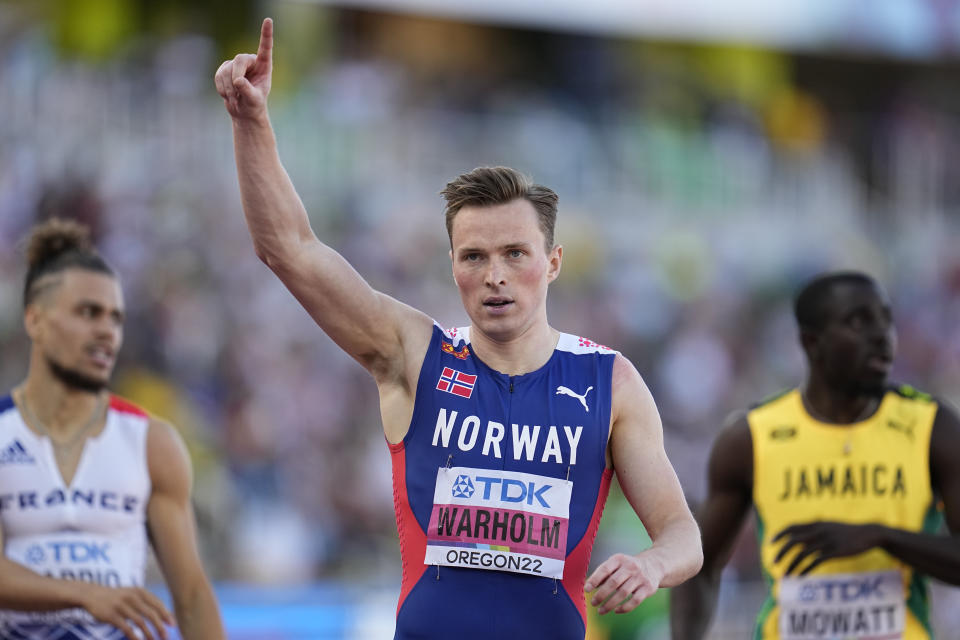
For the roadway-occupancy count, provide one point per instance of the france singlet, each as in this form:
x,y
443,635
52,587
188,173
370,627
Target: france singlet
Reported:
x,y
874,471
499,486
93,530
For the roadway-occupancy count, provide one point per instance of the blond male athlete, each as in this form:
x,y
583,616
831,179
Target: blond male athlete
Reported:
x,y
503,435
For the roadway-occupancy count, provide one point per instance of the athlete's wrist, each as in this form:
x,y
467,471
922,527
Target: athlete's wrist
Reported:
x,y
877,534
655,562
254,123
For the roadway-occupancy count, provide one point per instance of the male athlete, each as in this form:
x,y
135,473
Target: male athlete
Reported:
x,y
845,474
85,477
503,435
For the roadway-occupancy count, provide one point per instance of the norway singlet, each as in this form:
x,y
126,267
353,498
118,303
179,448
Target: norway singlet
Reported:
x,y
874,471
92,530
499,486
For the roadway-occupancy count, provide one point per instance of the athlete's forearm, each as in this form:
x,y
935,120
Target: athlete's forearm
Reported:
x,y
692,605
934,555
678,550
24,590
198,617
275,215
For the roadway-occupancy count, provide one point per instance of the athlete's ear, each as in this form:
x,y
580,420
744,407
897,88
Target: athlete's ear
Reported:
x,y
555,259
32,320
810,342
452,270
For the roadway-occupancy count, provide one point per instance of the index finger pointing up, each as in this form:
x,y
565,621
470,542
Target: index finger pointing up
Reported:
x,y
265,50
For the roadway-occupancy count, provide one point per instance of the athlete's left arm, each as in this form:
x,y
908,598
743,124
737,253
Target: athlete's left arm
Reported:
x,y
173,534
935,555
650,484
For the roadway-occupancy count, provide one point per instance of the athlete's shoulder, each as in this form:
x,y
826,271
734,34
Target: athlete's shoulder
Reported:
x,y
122,405
909,392
6,403
772,399
571,343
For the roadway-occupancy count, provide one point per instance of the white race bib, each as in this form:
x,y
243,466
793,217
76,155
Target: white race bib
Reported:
x,y
843,606
73,555
499,520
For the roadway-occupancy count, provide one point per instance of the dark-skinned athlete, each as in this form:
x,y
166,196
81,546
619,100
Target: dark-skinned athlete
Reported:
x,y
849,477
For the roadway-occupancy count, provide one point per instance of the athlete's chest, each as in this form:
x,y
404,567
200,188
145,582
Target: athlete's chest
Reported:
x,y
539,422
108,489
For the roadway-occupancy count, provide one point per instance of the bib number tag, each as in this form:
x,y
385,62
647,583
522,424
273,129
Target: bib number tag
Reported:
x,y
843,606
500,521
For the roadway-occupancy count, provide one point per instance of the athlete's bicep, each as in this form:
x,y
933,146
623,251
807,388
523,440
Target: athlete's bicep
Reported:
x,y
644,472
170,513
380,332
944,471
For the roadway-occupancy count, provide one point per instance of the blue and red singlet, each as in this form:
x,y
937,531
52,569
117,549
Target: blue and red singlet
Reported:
x,y
499,486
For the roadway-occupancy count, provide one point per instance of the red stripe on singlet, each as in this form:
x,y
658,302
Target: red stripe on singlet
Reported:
x,y
125,406
575,569
413,540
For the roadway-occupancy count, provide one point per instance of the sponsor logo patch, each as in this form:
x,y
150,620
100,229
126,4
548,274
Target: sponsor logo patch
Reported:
x,y
783,433
462,354
582,397
16,453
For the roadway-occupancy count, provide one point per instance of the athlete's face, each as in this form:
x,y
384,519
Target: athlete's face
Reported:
x,y
502,267
77,326
855,348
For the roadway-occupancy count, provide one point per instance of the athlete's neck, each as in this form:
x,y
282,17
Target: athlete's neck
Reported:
x,y
831,405
60,408
520,354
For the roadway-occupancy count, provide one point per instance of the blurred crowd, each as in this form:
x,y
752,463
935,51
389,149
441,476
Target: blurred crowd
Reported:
x,y
699,186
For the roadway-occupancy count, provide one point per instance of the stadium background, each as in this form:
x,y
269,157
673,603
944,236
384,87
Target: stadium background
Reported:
x,y
708,160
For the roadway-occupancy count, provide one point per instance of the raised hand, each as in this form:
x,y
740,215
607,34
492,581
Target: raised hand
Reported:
x,y
244,81
821,541
623,582
128,606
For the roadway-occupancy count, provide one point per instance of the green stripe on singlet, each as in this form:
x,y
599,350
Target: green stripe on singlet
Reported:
x,y
769,603
918,598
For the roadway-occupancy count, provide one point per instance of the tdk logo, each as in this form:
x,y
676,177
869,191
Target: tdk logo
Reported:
x,y
15,453
463,487
509,490
35,554
73,552
842,590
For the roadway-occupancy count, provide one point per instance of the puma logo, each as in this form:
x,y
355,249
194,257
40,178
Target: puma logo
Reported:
x,y
565,391
905,429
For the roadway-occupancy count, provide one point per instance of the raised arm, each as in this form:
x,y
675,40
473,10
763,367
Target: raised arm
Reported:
x,y
173,534
730,480
933,554
125,608
384,335
650,485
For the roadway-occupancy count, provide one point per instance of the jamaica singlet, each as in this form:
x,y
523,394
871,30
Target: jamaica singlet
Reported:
x,y
499,486
92,530
874,471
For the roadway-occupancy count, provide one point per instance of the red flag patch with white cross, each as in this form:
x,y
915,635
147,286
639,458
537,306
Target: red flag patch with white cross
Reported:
x,y
456,382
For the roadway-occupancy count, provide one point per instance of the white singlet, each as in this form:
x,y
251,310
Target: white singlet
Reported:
x,y
93,530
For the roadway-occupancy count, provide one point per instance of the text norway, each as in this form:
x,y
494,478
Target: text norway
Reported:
x,y
524,437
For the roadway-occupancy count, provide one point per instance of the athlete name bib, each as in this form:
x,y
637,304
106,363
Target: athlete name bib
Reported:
x,y
72,555
499,520
843,606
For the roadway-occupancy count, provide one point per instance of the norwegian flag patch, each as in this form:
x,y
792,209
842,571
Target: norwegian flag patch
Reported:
x,y
456,382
